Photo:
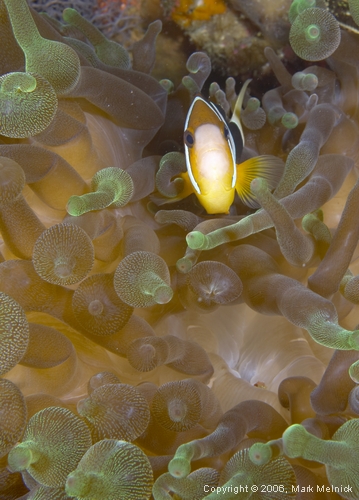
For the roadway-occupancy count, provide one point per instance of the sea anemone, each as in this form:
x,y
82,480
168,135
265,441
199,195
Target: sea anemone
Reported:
x,y
147,347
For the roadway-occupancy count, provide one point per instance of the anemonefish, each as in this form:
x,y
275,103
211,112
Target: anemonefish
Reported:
x,y
212,149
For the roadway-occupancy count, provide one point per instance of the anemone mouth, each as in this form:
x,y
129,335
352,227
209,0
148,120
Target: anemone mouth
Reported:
x,y
163,294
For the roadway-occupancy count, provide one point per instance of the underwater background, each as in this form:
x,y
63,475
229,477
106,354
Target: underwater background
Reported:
x,y
151,349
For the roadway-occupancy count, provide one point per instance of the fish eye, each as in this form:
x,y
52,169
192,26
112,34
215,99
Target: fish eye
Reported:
x,y
188,138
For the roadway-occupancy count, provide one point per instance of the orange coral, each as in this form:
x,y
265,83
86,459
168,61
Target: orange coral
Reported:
x,y
187,11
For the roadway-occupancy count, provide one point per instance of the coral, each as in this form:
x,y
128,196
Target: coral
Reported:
x,y
146,346
188,12
270,18
232,45
233,34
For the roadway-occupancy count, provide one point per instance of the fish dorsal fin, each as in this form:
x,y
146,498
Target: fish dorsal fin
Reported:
x,y
238,107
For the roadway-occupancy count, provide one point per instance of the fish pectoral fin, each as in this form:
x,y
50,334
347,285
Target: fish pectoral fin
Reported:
x,y
266,167
187,186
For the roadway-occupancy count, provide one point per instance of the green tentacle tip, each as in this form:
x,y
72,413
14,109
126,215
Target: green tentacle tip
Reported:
x,y
295,439
190,84
289,120
168,85
196,240
305,81
109,52
252,104
77,206
298,6
111,186
20,458
142,279
179,467
184,265
253,116
28,104
260,453
259,185
315,34
274,115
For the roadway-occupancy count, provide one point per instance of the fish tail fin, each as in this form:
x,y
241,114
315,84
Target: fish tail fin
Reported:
x,y
265,167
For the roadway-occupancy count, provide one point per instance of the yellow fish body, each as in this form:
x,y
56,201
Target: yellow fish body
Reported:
x,y
210,156
212,150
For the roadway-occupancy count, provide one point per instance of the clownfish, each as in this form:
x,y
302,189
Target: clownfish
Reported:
x,y
213,149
